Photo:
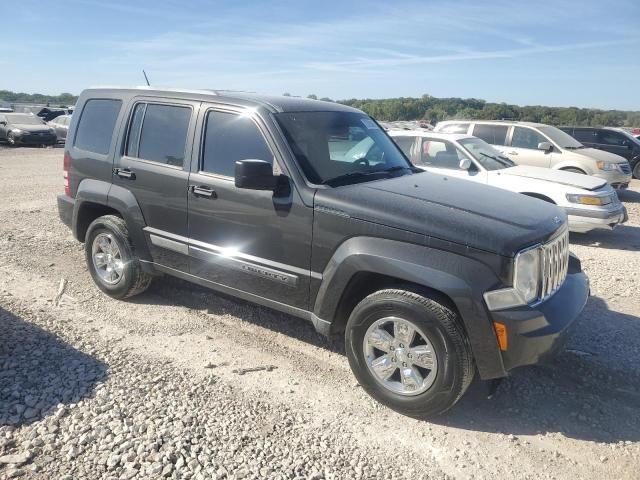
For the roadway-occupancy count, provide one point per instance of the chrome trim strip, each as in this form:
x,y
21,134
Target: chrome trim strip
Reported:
x,y
169,244
238,256
247,267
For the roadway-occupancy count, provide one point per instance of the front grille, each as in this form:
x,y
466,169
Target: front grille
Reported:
x,y
625,167
555,264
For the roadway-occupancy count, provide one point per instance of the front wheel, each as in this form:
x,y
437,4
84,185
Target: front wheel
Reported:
x,y
11,139
636,170
111,258
409,352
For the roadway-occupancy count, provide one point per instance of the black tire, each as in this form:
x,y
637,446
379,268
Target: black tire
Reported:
x,y
11,139
574,170
443,327
133,280
636,170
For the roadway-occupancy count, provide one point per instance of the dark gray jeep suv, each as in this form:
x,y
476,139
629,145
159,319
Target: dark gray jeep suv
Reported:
x,y
309,208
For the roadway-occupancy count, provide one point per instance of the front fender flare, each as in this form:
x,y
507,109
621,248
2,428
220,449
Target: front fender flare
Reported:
x,y
460,278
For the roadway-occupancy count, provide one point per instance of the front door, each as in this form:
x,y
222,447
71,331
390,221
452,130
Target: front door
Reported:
x,y
443,157
524,148
153,166
255,241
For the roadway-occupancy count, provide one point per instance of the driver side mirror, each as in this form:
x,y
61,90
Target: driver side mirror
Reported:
x,y
546,146
255,175
465,164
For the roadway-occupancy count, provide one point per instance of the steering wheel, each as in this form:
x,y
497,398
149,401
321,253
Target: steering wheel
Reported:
x,y
363,160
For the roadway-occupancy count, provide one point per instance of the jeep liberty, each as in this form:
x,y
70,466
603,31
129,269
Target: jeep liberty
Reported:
x,y
309,208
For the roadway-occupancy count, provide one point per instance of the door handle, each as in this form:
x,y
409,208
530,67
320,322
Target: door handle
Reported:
x,y
124,173
203,191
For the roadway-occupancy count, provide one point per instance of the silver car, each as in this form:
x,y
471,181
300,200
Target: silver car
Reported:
x,y
61,126
542,145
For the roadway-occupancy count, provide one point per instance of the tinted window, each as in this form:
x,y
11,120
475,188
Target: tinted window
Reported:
x,y
229,138
455,128
526,138
97,121
164,134
610,138
584,135
493,134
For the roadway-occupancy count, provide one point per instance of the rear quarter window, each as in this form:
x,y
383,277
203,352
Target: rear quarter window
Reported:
x,y
97,122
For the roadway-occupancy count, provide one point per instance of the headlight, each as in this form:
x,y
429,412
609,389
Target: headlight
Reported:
x,y
526,282
588,199
16,130
607,166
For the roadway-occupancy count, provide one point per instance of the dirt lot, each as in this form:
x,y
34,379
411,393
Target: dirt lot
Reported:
x,y
92,387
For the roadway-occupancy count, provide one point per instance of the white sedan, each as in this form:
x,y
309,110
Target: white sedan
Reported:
x,y
590,203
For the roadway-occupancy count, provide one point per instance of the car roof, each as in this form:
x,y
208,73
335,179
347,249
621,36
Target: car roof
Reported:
x,y
273,103
428,133
496,122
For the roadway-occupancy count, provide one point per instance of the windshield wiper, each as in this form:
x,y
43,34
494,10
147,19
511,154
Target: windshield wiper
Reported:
x,y
352,175
504,161
574,148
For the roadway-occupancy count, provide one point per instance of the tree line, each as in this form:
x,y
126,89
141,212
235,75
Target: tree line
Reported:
x,y
431,109
435,109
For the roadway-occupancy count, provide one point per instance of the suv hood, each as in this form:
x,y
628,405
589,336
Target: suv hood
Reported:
x,y
601,155
451,209
570,179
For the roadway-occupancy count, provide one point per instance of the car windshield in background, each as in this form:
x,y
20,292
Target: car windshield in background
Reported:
x,y
24,120
633,139
560,138
485,154
341,147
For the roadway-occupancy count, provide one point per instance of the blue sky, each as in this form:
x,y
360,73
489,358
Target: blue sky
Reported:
x,y
564,53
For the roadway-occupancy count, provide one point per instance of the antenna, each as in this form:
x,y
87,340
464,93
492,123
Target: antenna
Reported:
x,y
146,78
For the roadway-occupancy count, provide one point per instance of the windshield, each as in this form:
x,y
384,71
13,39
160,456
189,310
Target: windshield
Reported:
x,y
560,138
20,119
485,154
341,147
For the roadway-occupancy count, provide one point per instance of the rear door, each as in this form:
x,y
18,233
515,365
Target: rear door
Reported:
x,y
493,134
586,136
152,164
523,148
255,241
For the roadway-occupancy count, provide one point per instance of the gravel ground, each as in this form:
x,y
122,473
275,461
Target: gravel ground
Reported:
x,y
92,387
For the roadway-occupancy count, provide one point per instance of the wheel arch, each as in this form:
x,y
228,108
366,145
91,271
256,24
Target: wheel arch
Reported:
x,y
95,198
539,196
362,265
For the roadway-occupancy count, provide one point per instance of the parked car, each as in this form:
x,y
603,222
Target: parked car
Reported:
x,y
309,208
589,202
50,113
25,129
542,145
61,126
614,140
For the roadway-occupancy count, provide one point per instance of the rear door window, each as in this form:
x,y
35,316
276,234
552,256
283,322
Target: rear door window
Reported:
x,y
162,136
526,138
492,134
405,144
97,122
585,135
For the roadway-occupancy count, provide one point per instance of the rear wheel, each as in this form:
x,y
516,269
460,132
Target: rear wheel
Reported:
x,y
409,352
636,170
111,258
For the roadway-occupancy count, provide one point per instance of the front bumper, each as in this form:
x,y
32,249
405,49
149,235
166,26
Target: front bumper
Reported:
x,y
584,220
27,138
535,332
65,209
616,179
